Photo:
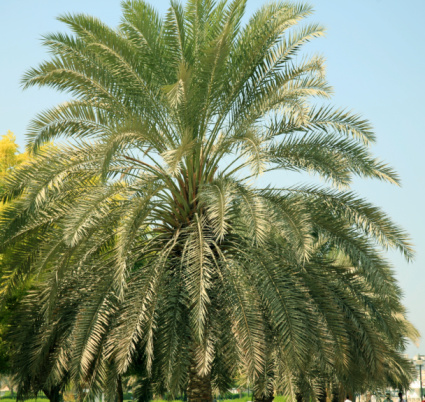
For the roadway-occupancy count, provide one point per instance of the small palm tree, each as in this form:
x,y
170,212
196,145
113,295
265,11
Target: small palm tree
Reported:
x,y
153,205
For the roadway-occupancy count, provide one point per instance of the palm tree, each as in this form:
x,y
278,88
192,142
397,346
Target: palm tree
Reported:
x,y
154,205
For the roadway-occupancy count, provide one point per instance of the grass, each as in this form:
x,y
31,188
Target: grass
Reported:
x,y
7,397
14,400
277,398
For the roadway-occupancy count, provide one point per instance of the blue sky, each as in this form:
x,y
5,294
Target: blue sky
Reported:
x,y
375,52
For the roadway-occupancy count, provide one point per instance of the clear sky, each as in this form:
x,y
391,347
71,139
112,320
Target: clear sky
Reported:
x,y
375,52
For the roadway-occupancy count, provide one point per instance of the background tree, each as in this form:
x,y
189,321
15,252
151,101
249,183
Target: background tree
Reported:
x,y
9,154
9,158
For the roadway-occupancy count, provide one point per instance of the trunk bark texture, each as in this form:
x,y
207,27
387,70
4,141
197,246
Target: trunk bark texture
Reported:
x,y
53,394
120,392
335,395
199,387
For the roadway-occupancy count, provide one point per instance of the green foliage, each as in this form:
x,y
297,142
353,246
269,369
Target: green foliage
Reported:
x,y
9,158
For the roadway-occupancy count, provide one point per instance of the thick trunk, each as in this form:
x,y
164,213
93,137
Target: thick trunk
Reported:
x,y
336,394
120,392
53,394
199,387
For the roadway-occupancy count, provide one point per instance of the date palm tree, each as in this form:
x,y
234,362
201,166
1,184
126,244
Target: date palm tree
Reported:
x,y
154,201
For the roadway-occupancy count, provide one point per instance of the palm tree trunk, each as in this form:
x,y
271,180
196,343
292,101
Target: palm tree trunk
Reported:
x,y
120,392
199,387
336,395
53,394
